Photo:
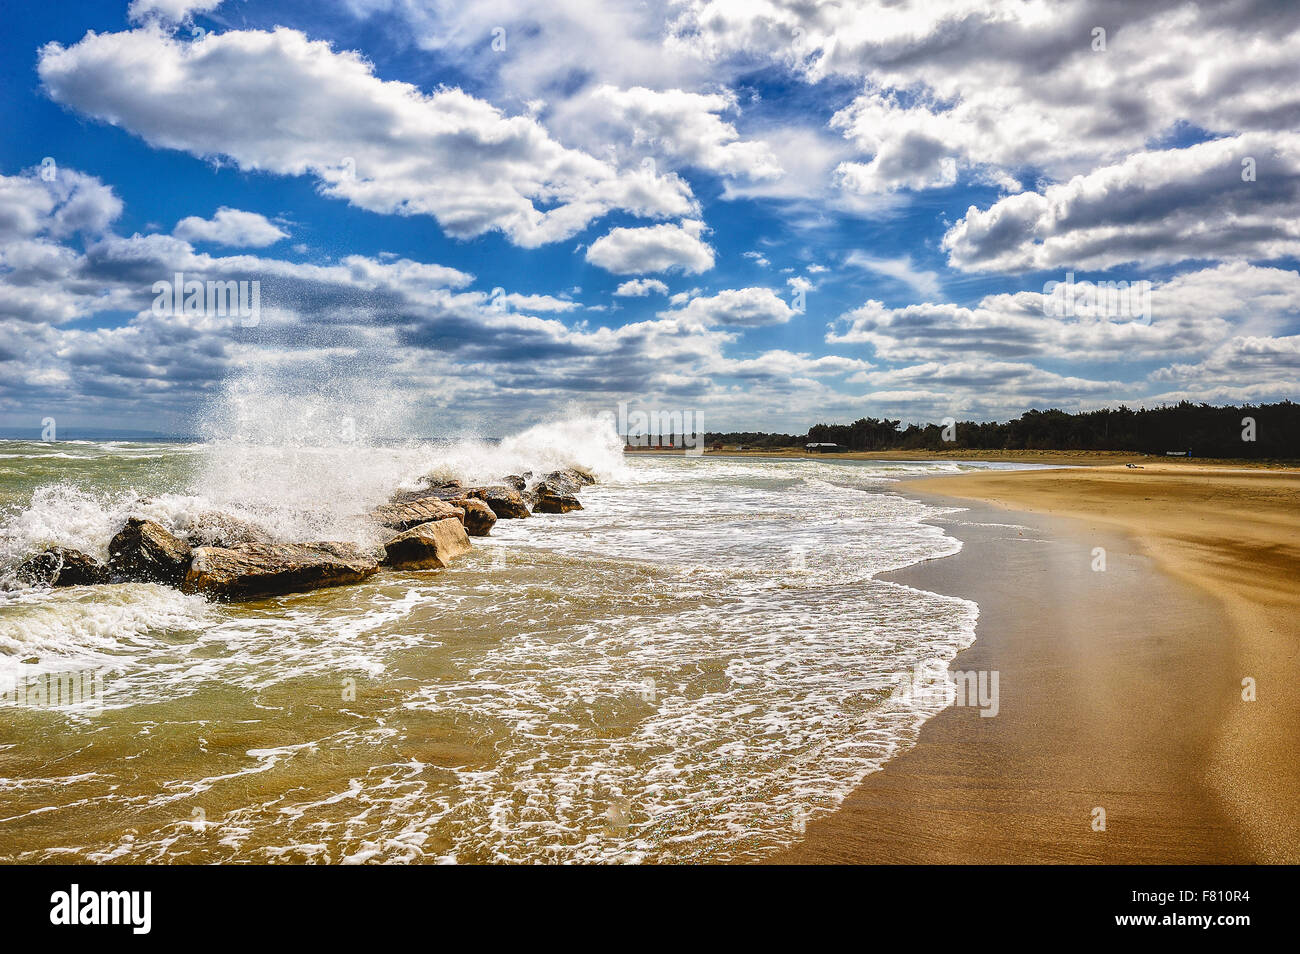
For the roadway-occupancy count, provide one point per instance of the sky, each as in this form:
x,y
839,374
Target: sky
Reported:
x,y
767,214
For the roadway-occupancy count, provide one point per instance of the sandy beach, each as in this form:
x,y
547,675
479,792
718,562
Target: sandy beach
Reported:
x,y
1121,689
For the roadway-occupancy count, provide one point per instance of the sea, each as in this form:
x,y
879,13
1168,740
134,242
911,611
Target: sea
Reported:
x,y
690,669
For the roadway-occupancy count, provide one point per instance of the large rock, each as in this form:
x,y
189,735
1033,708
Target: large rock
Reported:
x,y
428,546
567,481
410,513
144,552
550,500
515,481
267,569
63,566
479,518
506,503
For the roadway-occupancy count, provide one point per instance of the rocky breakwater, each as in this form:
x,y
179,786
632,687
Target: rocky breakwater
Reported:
x,y
225,558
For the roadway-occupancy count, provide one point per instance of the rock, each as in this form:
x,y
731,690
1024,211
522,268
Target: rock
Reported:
x,y
266,569
550,500
63,566
505,503
410,513
555,493
479,518
428,546
560,482
567,481
515,481
144,552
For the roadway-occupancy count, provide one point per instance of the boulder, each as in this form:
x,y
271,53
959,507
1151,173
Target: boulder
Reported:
x,y
550,500
505,503
428,546
560,482
567,481
63,566
410,513
144,552
479,518
515,482
252,570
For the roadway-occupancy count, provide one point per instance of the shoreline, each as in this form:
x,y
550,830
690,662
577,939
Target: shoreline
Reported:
x,y
1134,703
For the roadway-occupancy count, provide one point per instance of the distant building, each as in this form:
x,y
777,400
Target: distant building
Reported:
x,y
822,448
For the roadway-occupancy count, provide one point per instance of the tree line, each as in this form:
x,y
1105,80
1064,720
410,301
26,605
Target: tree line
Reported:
x,y
1251,430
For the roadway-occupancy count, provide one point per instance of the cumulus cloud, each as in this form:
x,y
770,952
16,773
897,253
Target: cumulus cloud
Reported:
x,y
736,307
280,102
682,127
230,227
1001,86
641,288
1154,208
56,206
1190,314
654,248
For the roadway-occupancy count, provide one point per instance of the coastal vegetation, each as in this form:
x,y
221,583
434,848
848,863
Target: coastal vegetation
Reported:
x,y
1265,431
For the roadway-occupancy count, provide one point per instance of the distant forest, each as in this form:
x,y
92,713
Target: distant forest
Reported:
x,y
1203,430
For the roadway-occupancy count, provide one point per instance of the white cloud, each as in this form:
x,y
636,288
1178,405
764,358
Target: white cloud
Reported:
x,y
679,126
1004,86
655,248
539,302
69,202
640,288
279,102
738,307
232,227
1154,208
1190,314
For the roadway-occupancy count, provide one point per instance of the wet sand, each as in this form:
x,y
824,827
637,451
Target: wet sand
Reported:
x,y
1119,689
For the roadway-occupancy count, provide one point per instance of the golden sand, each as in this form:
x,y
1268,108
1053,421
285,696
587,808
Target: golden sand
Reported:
x,y
1124,688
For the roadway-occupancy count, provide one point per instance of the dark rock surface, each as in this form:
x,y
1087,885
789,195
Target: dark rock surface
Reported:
x,y
144,552
506,503
267,569
63,566
479,518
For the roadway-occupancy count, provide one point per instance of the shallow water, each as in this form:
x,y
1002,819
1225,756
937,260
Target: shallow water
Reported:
x,y
686,670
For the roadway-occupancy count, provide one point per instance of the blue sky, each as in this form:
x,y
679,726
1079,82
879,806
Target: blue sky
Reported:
x,y
770,215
